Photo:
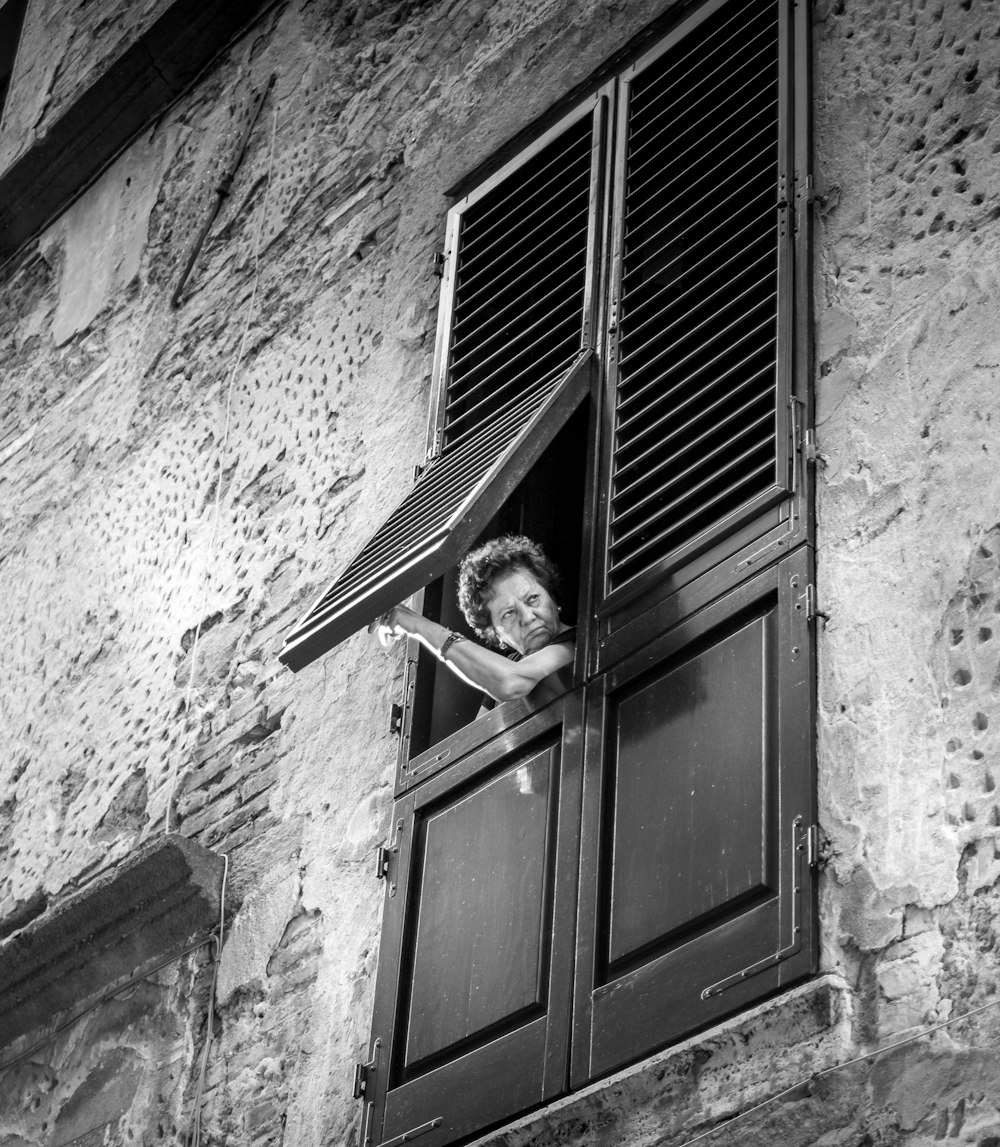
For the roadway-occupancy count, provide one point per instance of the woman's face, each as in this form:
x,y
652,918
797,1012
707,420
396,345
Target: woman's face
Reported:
x,y
522,611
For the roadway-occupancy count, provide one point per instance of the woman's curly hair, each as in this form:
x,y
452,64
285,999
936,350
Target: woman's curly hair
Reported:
x,y
482,566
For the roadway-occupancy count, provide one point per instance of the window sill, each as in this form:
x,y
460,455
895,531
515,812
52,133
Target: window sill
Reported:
x,y
706,1080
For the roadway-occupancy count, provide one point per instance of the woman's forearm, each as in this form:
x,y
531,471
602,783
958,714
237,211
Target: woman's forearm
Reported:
x,y
497,675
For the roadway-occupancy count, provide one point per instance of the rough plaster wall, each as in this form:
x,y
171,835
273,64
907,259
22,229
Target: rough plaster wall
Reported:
x,y
908,414
140,652
115,448
63,43
123,1067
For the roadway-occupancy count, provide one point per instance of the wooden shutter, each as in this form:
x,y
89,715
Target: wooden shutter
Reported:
x,y
695,895
511,366
473,993
700,448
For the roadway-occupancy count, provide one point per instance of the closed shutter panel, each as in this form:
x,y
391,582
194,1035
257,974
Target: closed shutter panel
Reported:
x,y
472,1003
515,330
695,890
699,409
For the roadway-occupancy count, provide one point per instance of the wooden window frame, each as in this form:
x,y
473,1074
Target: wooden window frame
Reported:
x,y
599,1014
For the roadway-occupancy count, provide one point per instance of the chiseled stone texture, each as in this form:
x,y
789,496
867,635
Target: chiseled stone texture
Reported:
x,y
62,46
908,413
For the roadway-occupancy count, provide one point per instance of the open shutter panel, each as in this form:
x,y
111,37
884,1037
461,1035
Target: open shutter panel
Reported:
x,y
441,517
514,332
698,438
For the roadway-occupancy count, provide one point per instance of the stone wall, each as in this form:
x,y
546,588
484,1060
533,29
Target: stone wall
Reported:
x,y
177,484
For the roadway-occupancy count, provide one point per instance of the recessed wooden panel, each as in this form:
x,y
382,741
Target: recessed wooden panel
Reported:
x,y
481,933
690,790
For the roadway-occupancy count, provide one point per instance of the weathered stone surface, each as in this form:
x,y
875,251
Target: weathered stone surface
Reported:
x,y
150,906
208,469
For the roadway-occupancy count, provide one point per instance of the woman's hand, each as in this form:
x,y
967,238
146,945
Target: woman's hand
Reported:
x,y
400,621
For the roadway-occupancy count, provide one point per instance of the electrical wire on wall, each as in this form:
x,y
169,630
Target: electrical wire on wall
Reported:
x,y
223,447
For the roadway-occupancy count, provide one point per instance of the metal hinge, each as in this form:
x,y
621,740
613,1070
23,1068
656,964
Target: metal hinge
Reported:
x,y
383,858
812,845
437,263
805,190
364,1073
395,718
812,609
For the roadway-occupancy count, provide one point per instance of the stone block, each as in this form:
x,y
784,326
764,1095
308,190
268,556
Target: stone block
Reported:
x,y
148,907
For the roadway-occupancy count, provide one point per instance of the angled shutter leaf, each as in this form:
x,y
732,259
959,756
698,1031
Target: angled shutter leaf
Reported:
x,y
697,412
442,516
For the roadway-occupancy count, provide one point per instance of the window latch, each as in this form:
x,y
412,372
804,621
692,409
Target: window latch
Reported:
x,y
364,1073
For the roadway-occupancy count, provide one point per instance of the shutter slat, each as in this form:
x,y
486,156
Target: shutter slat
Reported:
x,y
540,332
543,308
521,283
728,168
682,478
654,328
716,335
515,245
689,60
698,513
674,138
554,164
480,308
763,381
650,389
509,392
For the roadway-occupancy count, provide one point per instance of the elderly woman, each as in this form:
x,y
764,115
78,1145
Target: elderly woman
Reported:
x,y
506,592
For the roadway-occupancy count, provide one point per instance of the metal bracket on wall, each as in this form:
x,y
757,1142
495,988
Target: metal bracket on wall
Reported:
x,y
383,858
804,849
364,1073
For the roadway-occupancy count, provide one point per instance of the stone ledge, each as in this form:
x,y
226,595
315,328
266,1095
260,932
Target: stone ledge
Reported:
x,y
151,905
693,1086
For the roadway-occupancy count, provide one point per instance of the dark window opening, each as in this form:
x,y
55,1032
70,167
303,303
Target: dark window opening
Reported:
x,y
547,506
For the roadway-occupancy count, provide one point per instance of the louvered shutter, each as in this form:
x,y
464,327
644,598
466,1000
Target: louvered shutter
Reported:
x,y
513,359
700,444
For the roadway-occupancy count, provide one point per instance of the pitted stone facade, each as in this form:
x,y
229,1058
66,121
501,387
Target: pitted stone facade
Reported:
x,y
178,484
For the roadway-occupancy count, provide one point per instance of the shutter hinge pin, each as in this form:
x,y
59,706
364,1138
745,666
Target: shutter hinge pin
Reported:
x,y
437,263
812,609
395,718
812,845
806,189
383,858
364,1073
